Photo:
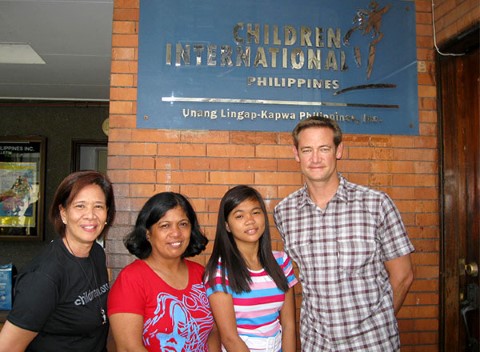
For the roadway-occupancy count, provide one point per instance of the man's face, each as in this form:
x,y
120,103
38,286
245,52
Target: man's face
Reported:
x,y
317,154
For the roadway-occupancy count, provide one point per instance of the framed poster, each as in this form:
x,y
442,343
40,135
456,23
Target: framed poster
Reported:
x,y
22,176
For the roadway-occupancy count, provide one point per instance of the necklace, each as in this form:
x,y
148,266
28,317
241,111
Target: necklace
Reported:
x,y
178,279
103,315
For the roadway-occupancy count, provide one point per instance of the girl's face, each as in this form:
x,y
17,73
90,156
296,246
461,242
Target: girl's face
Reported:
x,y
85,216
246,222
170,235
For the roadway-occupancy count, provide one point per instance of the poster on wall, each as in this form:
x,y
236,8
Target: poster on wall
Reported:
x,y
265,65
21,187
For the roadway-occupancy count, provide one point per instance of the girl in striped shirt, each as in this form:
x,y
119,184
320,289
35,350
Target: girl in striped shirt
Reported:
x,y
249,286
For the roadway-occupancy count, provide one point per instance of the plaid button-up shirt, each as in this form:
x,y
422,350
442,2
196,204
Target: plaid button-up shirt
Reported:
x,y
347,300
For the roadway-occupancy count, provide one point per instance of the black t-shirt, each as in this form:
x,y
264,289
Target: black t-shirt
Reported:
x,y
60,297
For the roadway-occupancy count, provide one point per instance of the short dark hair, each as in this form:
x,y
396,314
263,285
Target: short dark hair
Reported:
x,y
318,121
68,190
153,210
226,250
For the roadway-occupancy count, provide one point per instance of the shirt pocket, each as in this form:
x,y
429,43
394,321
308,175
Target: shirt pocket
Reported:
x,y
355,254
301,252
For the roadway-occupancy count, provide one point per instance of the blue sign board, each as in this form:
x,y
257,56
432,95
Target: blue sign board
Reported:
x,y
265,65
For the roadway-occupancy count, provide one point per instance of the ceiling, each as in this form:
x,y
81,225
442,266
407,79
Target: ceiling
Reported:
x,y
73,37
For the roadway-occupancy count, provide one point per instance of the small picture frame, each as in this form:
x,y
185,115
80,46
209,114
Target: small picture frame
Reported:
x,y
22,179
89,155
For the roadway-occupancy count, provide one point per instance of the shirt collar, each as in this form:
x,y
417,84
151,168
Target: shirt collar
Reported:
x,y
303,197
341,194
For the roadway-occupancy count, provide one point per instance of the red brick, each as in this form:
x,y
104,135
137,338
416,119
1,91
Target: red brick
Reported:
x,y
125,41
122,80
124,67
419,338
128,14
428,245
121,121
273,151
253,164
157,136
270,178
181,177
123,54
230,178
238,151
204,136
127,4
182,150
123,93
124,27
288,165
142,190
123,107
119,162
166,163
199,163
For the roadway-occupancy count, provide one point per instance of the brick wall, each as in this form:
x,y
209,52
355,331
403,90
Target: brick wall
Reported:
x,y
453,17
204,164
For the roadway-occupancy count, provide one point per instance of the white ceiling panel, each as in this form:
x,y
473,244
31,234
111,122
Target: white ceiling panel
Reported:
x,y
72,37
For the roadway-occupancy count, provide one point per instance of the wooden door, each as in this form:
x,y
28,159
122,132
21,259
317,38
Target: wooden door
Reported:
x,y
459,117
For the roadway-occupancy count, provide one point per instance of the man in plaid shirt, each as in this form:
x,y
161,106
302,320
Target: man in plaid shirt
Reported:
x,y
351,248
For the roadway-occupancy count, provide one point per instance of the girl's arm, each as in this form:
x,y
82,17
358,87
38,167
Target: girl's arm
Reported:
x,y
127,331
222,308
213,342
14,338
287,320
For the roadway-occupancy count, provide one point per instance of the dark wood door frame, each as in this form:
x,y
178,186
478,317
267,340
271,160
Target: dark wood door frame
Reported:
x,y
459,134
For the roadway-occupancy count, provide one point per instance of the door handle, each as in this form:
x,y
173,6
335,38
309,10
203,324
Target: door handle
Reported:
x,y
471,269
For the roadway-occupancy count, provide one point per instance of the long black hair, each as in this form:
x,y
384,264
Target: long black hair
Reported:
x,y
225,248
153,210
